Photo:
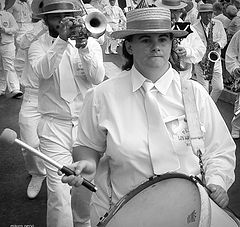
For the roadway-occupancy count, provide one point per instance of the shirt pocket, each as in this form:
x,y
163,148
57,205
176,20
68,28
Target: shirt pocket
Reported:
x,y
179,132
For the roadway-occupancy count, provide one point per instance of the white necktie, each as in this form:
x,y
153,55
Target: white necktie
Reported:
x,y
68,89
163,157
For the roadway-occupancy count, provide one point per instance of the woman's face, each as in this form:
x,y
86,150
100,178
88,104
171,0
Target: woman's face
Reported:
x,y
150,50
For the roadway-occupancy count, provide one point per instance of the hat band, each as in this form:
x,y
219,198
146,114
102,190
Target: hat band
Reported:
x,y
171,3
149,24
58,6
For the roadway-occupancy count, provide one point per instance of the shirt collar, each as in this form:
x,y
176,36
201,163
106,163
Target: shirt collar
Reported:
x,y
162,84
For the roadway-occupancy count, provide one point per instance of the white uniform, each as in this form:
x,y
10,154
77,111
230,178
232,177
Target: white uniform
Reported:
x,y
8,78
29,115
219,36
57,64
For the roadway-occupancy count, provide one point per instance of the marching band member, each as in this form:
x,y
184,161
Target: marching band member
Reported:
x,y
9,78
214,38
21,11
191,49
136,122
29,115
66,69
232,60
117,20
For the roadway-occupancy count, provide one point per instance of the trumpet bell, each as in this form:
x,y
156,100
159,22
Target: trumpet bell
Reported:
x,y
213,56
96,24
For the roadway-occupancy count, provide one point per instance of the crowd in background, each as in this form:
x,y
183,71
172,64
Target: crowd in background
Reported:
x,y
227,11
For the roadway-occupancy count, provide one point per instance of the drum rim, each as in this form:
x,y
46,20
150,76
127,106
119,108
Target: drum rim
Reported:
x,y
152,180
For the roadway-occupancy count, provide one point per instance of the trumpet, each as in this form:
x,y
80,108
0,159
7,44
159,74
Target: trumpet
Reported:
x,y
93,24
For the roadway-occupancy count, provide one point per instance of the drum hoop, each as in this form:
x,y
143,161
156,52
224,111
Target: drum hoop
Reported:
x,y
152,180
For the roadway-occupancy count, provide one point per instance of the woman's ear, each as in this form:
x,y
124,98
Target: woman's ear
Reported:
x,y
128,47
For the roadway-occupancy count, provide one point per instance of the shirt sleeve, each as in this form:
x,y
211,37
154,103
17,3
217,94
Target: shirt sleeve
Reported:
x,y
44,63
194,46
219,156
232,54
90,133
92,61
219,35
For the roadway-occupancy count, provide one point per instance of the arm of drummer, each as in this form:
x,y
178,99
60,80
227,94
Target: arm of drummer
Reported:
x,y
219,156
85,165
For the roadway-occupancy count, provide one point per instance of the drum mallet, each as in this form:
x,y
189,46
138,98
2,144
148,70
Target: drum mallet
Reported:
x,y
9,136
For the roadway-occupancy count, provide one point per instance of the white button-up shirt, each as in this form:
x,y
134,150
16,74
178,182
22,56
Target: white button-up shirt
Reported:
x,y
8,22
232,57
114,122
22,11
46,59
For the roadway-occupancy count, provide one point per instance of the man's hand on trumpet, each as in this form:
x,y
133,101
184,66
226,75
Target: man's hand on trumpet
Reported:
x,y
74,28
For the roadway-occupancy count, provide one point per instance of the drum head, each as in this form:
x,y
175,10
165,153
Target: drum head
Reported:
x,y
173,202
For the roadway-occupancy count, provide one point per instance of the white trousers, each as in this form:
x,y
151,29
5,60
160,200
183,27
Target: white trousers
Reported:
x,y
8,76
56,140
28,122
217,80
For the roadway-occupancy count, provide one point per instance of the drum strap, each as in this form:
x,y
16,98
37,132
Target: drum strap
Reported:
x,y
195,132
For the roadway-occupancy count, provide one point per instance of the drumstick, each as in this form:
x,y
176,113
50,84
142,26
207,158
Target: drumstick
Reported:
x,y
9,136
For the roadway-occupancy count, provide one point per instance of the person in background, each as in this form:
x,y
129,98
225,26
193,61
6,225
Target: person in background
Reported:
x,y
232,61
21,11
150,90
8,78
234,24
117,20
192,13
214,38
29,115
191,49
218,14
67,63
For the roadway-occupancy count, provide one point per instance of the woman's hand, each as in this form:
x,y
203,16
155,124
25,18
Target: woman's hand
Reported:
x,y
82,169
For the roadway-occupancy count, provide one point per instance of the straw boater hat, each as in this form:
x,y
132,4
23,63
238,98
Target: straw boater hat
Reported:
x,y
171,4
148,20
203,8
43,7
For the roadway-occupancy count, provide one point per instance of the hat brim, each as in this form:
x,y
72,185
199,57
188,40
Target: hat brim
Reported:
x,y
181,6
58,11
205,11
121,34
37,9
9,4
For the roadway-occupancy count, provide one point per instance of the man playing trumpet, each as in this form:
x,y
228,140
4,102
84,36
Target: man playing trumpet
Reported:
x,y
213,35
66,69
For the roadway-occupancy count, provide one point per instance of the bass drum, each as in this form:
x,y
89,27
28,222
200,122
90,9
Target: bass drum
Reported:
x,y
169,200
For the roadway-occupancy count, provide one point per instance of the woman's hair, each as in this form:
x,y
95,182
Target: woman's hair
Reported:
x,y
128,57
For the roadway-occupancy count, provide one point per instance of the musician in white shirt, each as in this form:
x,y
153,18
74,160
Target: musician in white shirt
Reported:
x,y
116,124
66,69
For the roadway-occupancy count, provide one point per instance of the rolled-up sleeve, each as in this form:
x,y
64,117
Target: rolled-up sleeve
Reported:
x,y
90,133
219,157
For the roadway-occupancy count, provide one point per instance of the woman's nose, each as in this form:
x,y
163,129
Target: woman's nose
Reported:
x,y
156,46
